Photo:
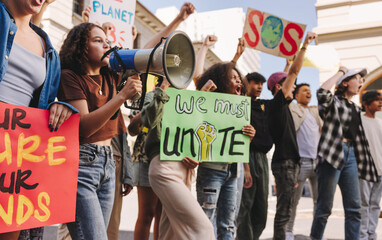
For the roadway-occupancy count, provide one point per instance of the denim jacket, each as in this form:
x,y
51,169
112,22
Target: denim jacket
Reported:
x,y
44,96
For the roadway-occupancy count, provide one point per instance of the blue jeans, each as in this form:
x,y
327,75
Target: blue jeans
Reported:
x,y
307,167
216,193
347,179
95,193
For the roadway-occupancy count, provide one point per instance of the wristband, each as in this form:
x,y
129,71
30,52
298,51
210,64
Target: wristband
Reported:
x,y
303,48
342,71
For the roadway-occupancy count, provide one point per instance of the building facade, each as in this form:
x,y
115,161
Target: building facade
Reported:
x,y
354,28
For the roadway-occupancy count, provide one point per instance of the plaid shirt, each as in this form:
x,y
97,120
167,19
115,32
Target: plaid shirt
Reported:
x,y
337,116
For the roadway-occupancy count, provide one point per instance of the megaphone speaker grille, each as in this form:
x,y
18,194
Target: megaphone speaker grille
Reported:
x,y
179,65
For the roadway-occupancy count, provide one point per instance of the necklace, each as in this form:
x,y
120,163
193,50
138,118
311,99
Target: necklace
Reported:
x,y
100,86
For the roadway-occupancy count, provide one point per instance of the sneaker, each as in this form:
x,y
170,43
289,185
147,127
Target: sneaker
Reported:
x,y
289,236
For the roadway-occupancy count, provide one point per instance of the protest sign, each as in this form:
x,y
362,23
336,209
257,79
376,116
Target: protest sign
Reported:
x,y
268,33
38,169
121,14
205,126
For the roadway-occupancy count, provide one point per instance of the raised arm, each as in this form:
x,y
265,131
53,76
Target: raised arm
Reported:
x,y
328,84
85,14
288,85
239,50
36,19
186,10
209,41
287,64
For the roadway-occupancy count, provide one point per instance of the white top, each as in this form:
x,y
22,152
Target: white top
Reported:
x,y
308,136
373,132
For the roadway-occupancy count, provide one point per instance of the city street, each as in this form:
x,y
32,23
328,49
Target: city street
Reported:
x,y
334,228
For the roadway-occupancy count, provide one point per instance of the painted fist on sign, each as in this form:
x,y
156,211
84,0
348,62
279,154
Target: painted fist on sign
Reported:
x,y
206,134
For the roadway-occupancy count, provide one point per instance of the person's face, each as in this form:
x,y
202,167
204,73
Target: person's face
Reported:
x,y
375,105
26,7
235,83
255,88
354,85
97,46
303,95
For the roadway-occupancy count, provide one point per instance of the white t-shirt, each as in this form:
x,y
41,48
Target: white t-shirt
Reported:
x,y
308,136
373,132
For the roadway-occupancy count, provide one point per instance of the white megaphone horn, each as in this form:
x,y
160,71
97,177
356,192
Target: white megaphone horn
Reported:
x,y
175,59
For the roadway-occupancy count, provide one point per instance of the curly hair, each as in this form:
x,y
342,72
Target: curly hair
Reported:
x,y
220,74
74,51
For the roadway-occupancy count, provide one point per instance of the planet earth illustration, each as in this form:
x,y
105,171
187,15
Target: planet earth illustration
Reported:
x,y
272,32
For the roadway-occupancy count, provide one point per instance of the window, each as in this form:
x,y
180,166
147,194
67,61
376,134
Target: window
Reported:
x,y
78,6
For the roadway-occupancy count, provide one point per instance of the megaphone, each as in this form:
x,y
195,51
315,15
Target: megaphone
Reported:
x,y
175,59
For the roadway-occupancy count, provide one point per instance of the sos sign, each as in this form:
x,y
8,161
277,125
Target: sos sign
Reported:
x,y
271,34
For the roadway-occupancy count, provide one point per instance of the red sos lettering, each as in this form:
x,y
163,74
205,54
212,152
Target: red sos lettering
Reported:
x,y
256,30
290,40
253,27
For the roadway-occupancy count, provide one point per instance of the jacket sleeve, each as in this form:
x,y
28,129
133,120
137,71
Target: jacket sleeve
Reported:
x,y
296,115
153,107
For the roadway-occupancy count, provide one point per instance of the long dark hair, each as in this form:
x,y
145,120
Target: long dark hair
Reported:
x,y
220,74
74,51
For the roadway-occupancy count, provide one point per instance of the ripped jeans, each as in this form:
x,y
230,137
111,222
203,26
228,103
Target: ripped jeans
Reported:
x,y
216,193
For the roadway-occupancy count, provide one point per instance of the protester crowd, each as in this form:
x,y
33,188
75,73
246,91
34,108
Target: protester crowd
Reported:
x,y
331,144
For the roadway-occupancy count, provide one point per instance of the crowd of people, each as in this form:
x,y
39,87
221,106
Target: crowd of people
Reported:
x,y
332,144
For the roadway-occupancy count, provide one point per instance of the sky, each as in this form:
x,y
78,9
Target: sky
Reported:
x,y
300,11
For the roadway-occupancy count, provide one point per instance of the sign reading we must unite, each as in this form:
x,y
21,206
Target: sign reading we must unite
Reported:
x,y
205,126
38,169
271,34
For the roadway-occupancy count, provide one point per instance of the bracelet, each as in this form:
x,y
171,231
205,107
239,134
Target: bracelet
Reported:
x,y
303,48
342,71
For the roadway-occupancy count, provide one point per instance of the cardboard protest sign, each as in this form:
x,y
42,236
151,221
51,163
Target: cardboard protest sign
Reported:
x,y
38,169
268,33
205,126
121,14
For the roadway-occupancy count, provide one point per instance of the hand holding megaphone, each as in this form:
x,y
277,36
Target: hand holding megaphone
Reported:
x,y
132,89
173,59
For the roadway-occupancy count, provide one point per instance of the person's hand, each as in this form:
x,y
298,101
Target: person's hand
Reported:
x,y
58,113
86,14
249,130
343,69
190,163
210,40
240,46
210,86
49,1
186,10
126,189
134,32
239,50
310,37
247,179
132,87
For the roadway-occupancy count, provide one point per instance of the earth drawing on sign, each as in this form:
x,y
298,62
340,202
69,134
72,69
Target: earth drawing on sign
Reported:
x,y
272,32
